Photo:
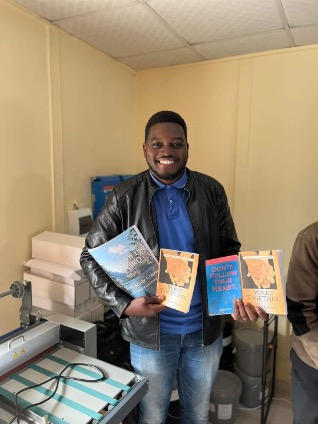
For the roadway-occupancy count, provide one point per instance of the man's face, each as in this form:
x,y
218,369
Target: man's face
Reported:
x,y
166,151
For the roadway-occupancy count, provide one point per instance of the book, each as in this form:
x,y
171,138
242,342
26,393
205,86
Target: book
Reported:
x,y
129,262
223,284
255,276
176,278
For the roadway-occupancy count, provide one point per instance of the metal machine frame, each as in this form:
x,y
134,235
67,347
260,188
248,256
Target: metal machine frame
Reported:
x,y
29,350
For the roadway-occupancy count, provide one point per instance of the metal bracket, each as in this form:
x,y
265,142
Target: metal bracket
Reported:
x,y
25,310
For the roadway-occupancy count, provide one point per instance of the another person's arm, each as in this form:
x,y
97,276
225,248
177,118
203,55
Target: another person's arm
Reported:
x,y
302,293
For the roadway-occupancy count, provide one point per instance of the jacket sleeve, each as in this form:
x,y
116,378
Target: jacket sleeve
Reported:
x,y
302,294
106,226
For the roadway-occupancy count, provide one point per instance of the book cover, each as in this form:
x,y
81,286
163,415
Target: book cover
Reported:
x,y
223,284
176,278
129,262
263,280
255,276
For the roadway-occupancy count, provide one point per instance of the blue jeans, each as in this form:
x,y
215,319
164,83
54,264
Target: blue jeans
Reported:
x,y
195,367
304,391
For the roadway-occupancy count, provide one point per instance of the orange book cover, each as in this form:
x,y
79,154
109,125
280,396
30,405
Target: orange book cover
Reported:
x,y
263,281
176,278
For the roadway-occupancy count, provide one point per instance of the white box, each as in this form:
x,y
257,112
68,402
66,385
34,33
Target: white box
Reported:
x,y
62,308
85,316
59,292
97,312
92,293
63,249
56,272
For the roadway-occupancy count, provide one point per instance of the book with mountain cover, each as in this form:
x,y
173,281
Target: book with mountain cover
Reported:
x,y
255,276
129,262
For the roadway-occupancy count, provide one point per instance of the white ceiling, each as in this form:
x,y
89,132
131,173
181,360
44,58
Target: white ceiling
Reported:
x,y
154,33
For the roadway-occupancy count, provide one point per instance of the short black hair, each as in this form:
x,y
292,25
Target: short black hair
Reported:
x,y
165,116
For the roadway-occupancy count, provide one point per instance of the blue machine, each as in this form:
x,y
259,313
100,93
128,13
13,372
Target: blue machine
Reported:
x,y
101,187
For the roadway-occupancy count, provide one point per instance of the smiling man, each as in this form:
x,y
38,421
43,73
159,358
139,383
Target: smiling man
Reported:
x,y
166,151
179,209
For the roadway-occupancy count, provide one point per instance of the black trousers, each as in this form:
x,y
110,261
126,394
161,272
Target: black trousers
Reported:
x,y
304,391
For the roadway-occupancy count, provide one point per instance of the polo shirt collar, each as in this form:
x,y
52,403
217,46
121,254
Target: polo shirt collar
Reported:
x,y
180,183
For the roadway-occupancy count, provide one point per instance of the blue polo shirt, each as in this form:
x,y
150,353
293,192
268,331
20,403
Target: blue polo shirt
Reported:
x,y
176,232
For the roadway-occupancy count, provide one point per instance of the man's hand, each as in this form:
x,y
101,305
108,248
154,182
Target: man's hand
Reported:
x,y
247,312
145,306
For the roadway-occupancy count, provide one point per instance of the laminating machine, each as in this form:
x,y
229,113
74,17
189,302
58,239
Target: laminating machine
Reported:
x,y
49,372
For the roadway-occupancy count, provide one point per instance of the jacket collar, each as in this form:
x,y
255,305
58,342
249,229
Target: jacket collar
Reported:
x,y
180,183
152,186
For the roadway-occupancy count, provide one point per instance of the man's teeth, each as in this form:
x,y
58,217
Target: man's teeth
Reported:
x,y
166,161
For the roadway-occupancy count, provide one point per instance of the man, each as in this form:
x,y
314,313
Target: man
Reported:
x,y
174,208
302,304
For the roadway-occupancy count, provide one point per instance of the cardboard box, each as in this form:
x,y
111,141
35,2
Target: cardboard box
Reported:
x,y
63,249
97,312
62,308
56,272
85,316
92,293
57,291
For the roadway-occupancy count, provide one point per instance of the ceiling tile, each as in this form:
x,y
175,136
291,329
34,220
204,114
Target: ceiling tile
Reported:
x,y
58,9
160,59
127,31
244,45
301,12
305,35
171,32
207,20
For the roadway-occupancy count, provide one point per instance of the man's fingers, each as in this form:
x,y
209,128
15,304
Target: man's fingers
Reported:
x,y
261,313
247,312
154,299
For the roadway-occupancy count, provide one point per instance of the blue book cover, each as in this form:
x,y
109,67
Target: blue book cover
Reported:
x,y
223,284
129,262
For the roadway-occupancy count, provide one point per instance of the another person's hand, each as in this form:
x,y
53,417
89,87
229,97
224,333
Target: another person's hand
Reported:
x,y
145,306
248,312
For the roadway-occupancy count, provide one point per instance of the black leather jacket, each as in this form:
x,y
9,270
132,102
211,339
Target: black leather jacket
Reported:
x,y
131,203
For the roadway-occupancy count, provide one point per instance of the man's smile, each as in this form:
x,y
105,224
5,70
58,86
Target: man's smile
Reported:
x,y
166,161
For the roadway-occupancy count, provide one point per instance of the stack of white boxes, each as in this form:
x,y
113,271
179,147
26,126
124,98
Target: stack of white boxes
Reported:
x,y
57,280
